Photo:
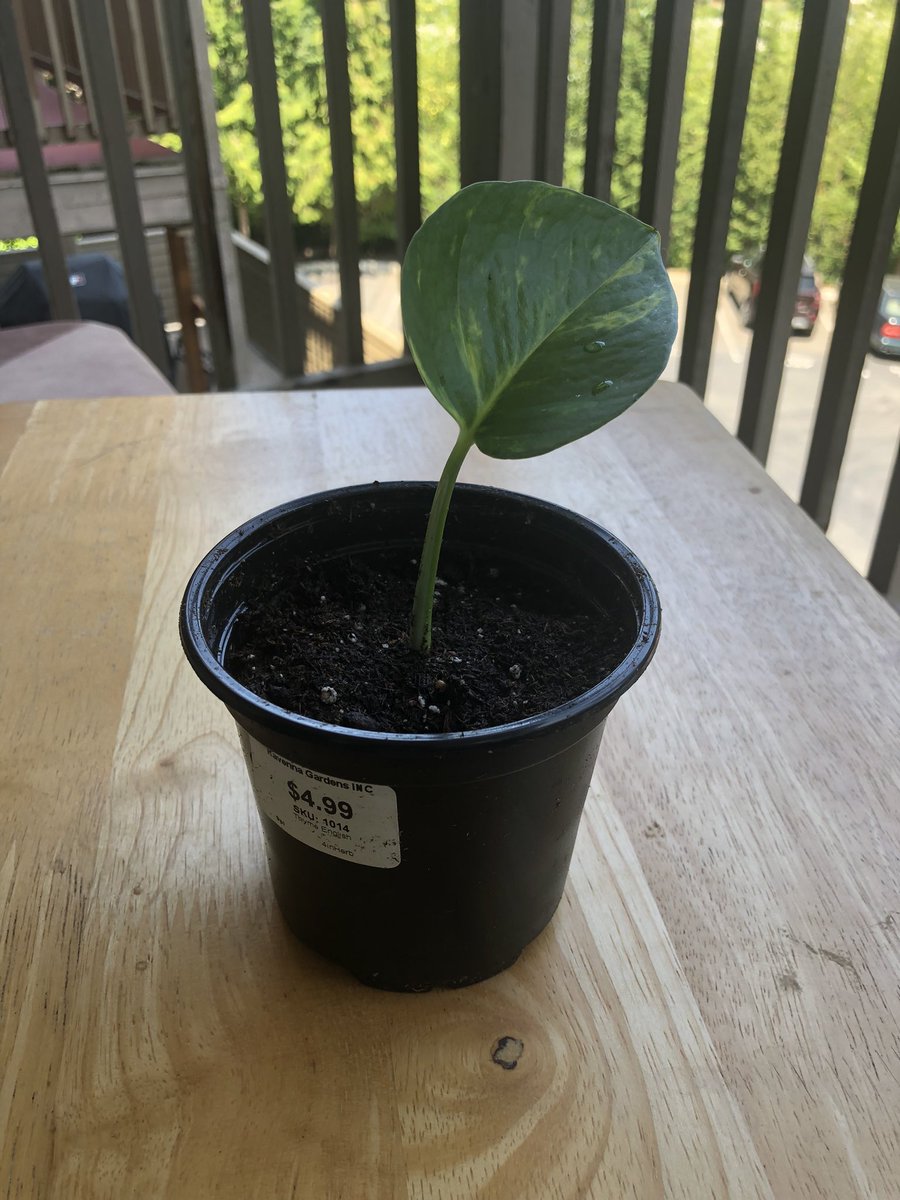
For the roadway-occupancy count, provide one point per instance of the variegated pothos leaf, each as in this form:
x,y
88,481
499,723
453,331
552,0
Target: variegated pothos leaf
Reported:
x,y
535,314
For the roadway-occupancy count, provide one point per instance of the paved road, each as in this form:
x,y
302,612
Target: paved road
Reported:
x,y
873,434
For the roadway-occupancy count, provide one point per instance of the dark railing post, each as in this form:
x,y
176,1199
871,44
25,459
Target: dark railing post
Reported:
x,y
884,570
198,168
81,63
142,70
279,216
59,66
514,58
346,219
554,35
737,49
665,101
31,165
603,96
165,58
870,244
104,84
406,120
479,90
181,278
520,36
815,73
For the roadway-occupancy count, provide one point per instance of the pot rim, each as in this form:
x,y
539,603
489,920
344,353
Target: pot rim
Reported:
x,y
226,555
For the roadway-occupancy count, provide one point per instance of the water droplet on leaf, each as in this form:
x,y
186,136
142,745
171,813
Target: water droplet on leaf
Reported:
x,y
601,386
593,347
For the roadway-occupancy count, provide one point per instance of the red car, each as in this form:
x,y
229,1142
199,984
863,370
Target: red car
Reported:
x,y
743,279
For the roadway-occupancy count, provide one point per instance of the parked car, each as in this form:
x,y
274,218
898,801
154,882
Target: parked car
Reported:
x,y
885,337
742,281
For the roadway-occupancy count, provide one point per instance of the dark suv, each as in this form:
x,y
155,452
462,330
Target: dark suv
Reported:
x,y
743,278
885,337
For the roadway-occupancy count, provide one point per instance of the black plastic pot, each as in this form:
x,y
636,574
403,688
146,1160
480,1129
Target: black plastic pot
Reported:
x,y
455,852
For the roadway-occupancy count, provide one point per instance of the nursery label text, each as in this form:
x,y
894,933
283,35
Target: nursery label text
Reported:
x,y
342,817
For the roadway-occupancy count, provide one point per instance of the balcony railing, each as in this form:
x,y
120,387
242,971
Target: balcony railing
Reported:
x,y
514,57
50,35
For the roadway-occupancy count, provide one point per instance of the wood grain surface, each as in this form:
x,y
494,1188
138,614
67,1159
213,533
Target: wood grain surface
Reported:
x,y
13,419
713,1013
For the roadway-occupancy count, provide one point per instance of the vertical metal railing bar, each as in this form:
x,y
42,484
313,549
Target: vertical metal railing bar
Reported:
x,y
870,244
25,51
884,569
277,208
731,91
665,101
177,47
31,167
181,278
543,49
555,34
520,117
404,65
346,217
815,74
174,111
59,66
234,322
101,69
39,120
93,123
603,96
480,100
140,61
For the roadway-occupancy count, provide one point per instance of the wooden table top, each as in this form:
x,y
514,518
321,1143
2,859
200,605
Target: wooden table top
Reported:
x,y
714,1012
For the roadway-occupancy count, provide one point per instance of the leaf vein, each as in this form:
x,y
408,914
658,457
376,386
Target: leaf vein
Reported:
x,y
486,406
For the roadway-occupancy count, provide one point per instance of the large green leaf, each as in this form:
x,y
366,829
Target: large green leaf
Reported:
x,y
535,314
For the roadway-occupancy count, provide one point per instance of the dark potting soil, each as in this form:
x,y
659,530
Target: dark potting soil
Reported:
x,y
329,640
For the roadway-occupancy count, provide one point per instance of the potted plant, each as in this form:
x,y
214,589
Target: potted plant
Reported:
x,y
420,779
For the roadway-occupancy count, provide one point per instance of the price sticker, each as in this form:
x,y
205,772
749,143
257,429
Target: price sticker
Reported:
x,y
342,817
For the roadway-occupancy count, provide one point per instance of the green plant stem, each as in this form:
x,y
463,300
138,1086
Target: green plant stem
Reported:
x,y
423,604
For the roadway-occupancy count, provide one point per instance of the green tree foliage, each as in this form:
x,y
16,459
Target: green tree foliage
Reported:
x,y
297,34
438,52
849,129
304,112
770,89
849,132
636,44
